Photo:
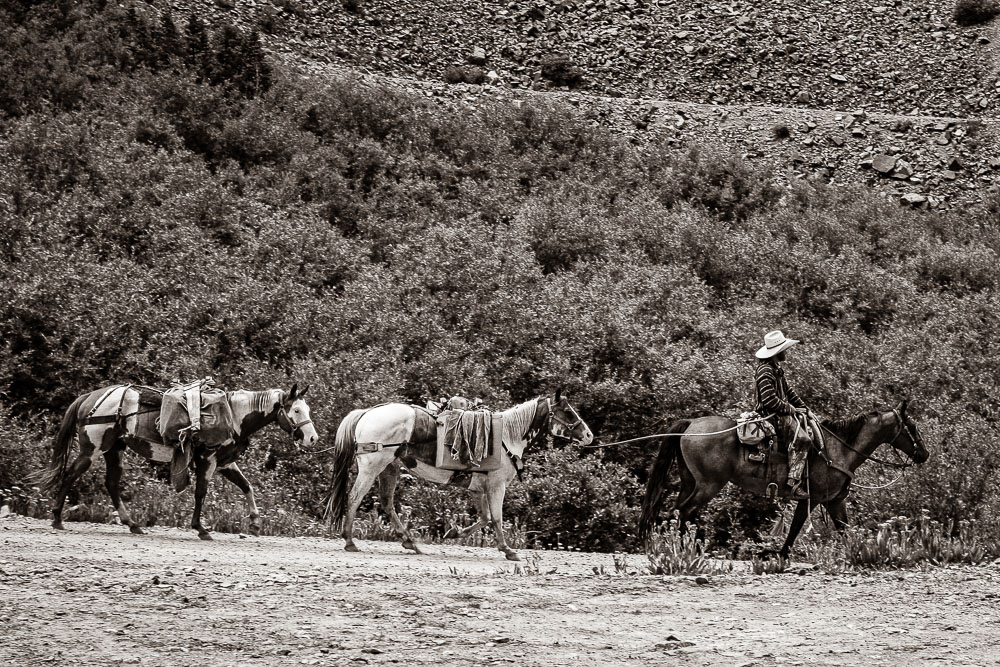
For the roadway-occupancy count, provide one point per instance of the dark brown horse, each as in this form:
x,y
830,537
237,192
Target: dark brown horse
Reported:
x,y
386,436
709,455
110,419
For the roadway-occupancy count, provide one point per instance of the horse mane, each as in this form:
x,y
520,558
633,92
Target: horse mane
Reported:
x,y
849,427
517,420
262,400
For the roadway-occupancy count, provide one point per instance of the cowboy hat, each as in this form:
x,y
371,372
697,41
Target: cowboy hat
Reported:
x,y
774,342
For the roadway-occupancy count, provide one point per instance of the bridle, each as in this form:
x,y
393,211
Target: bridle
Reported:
x,y
905,426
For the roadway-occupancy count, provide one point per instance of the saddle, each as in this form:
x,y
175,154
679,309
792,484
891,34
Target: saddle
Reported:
x,y
767,453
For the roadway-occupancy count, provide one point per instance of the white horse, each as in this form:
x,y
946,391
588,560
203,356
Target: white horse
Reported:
x,y
383,437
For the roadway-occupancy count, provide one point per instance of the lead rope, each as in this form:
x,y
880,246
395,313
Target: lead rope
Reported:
x,y
663,435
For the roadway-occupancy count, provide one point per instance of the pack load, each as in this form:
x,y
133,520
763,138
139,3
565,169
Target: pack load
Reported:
x,y
194,411
754,430
469,440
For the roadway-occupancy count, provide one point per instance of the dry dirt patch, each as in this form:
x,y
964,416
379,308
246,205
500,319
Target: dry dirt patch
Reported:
x,y
97,595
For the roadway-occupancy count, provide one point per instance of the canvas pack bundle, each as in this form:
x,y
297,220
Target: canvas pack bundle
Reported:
x,y
213,425
751,429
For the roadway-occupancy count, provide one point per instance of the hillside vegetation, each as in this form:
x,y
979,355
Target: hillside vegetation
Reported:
x,y
175,205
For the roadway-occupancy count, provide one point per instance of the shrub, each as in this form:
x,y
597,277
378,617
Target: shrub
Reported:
x,y
560,70
781,131
674,550
578,503
974,12
901,543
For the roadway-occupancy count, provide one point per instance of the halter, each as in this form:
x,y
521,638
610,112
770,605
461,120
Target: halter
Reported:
x,y
551,417
292,426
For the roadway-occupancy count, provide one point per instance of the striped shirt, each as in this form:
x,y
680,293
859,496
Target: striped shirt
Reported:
x,y
774,396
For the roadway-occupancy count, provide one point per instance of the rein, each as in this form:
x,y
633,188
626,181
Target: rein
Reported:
x,y
899,430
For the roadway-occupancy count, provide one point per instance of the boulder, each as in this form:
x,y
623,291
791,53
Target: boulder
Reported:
x,y
913,199
478,56
902,170
883,164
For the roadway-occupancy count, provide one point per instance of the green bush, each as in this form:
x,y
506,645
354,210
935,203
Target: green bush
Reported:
x,y
569,502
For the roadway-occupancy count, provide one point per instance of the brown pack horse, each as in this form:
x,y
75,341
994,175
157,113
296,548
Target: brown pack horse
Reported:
x,y
396,433
709,455
110,419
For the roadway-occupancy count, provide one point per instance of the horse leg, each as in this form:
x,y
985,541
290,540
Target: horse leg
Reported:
x,y
70,477
798,519
236,476
387,481
838,512
495,491
483,512
689,508
204,470
369,466
113,481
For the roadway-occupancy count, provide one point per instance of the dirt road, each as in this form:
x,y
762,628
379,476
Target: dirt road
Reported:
x,y
97,595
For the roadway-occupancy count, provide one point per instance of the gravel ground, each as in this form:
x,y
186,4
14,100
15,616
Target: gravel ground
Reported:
x,y
97,595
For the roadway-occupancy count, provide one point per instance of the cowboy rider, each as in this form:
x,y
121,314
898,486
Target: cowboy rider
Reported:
x,y
793,421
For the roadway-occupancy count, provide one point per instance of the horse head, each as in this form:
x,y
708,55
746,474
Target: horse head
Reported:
x,y
564,421
907,439
294,416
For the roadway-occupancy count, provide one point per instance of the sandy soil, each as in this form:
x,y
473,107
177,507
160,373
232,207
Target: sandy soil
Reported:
x,y
97,595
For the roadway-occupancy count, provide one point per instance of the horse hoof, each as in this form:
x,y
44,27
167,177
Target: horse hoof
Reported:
x,y
254,530
512,555
351,548
205,536
136,530
413,547
58,525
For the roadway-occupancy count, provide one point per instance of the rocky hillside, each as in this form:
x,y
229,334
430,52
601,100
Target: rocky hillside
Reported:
x,y
897,95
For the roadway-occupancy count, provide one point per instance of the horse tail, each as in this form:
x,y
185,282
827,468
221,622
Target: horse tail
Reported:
x,y
50,479
344,449
659,476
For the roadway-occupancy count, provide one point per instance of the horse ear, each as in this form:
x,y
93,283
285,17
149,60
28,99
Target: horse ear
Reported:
x,y
292,393
903,405
558,394
303,391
